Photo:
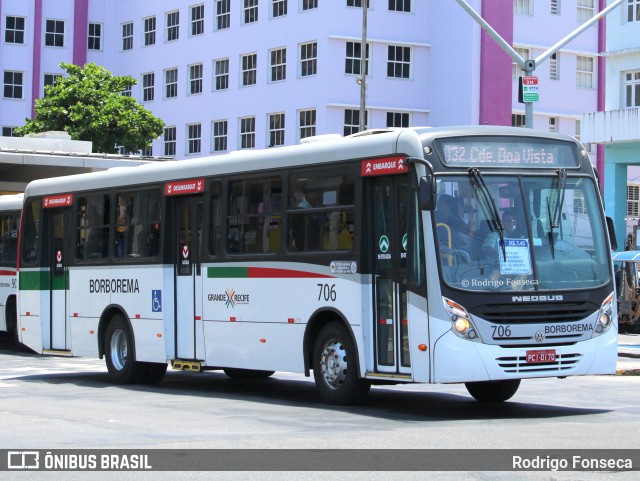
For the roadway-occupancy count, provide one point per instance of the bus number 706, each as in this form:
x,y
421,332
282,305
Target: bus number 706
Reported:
x,y
327,292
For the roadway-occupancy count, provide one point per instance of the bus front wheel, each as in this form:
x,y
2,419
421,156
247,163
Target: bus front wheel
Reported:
x,y
119,354
335,368
493,391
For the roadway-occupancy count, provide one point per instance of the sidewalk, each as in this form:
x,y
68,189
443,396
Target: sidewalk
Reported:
x,y
628,355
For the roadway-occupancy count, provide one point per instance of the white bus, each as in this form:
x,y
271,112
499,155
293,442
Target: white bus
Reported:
x,y
10,207
371,259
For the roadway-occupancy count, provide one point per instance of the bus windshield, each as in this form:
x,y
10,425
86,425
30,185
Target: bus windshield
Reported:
x,y
520,233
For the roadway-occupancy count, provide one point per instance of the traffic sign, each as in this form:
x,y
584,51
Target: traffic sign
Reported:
x,y
529,89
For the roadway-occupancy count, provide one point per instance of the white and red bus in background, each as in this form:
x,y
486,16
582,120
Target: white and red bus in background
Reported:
x,y
474,255
10,207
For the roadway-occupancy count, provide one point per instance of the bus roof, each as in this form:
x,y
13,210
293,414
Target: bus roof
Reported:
x,y
11,202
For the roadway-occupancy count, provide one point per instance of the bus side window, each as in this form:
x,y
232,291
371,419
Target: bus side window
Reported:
x,y
31,231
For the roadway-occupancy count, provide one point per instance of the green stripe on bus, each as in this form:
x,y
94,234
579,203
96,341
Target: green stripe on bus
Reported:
x,y
41,281
227,272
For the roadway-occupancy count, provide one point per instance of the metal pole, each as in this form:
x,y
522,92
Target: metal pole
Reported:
x,y
363,67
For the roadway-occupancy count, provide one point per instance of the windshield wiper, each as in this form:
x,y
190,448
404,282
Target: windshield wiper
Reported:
x,y
491,205
554,220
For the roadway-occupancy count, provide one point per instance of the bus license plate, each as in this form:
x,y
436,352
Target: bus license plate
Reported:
x,y
546,355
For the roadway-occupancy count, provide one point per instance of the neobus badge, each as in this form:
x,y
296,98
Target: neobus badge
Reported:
x,y
61,200
384,166
193,186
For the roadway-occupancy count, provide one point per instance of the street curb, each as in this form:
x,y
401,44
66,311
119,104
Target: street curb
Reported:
x,y
627,372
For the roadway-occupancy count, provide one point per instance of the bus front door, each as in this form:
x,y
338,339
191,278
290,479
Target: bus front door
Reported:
x,y
188,216
58,336
389,239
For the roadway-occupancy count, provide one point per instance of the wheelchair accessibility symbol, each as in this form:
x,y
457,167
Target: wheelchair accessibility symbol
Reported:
x,y
156,301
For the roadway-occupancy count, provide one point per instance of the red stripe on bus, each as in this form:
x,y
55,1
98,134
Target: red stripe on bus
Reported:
x,y
7,273
275,273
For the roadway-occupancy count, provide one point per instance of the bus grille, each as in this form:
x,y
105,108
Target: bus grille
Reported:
x,y
535,313
518,364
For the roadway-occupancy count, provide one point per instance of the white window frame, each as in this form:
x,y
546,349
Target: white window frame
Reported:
x,y
352,121
249,11
554,66
55,35
555,7
220,77
219,135
92,38
523,7
127,36
400,6
518,120
150,25
307,119
585,77
278,64
172,27
15,30
249,69
223,17
196,23
13,85
631,89
525,53
308,5
554,124
402,62
148,86
169,144
194,138
276,129
353,61
401,116
585,10
196,74
308,65
633,11
171,84
279,8
247,131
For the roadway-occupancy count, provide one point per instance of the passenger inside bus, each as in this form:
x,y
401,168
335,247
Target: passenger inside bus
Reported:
x,y
453,230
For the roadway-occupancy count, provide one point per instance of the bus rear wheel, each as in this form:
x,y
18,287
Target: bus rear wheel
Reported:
x,y
120,356
335,367
493,391
246,374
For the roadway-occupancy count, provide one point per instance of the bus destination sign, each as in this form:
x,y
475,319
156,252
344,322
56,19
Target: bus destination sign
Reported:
x,y
182,187
60,200
384,166
507,152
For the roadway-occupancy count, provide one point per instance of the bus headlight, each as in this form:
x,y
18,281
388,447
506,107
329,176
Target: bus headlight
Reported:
x,y
605,316
461,323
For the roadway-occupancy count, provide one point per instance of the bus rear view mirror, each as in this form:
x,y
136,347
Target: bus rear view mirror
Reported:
x,y
612,234
427,192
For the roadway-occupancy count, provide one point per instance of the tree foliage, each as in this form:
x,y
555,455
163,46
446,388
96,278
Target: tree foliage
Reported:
x,y
88,104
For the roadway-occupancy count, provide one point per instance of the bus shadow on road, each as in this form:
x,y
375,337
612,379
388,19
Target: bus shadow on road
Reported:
x,y
383,402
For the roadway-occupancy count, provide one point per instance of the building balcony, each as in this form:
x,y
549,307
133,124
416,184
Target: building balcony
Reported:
x,y
611,126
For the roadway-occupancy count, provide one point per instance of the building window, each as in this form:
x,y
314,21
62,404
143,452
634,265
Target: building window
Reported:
x,y
632,89
197,20
633,200
554,73
555,7
399,61
585,10
249,69
127,36
276,130
553,124
149,31
54,33
309,4
308,59
220,135
353,58
173,26
148,86
195,79
400,5
249,11
8,131
194,138
523,7
126,93
525,53
50,79
278,8
398,119
352,121
222,74
518,120
171,83
223,14
169,140
357,3
584,72
278,67
14,30
633,11
247,132
307,123
94,40
12,85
